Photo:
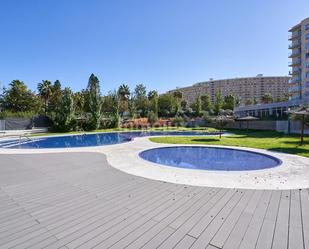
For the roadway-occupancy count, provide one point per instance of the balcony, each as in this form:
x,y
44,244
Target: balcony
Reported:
x,y
294,45
294,72
294,54
295,63
295,80
294,36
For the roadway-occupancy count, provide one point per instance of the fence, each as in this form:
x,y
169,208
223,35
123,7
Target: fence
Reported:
x,y
285,126
2,125
23,123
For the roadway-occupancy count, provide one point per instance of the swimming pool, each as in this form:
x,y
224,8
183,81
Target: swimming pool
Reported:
x,y
90,139
209,158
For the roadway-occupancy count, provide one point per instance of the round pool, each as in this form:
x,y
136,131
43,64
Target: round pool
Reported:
x,y
209,158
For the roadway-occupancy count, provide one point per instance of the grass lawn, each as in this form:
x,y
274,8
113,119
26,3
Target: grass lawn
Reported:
x,y
268,140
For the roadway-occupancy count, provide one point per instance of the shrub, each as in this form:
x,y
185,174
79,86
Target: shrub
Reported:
x,y
178,121
152,118
10,114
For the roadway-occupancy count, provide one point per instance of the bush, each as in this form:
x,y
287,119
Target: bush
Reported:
x,y
10,114
152,118
178,121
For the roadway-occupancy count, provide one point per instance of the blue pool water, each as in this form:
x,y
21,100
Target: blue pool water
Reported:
x,y
209,158
94,139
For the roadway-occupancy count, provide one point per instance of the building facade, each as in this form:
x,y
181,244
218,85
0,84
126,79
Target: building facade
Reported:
x,y
299,83
275,110
244,89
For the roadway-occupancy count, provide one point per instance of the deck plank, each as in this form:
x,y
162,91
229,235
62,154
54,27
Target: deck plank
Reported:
x,y
281,234
54,201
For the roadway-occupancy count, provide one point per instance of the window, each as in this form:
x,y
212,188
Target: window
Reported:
x,y
307,36
307,45
307,55
307,75
307,64
307,84
307,26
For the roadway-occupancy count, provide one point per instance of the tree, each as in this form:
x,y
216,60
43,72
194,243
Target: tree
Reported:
x,y
64,115
132,107
165,105
79,102
237,101
18,98
152,118
45,91
178,96
218,103
141,100
183,104
223,118
94,102
124,95
206,103
229,102
267,98
198,106
115,109
153,99
54,100
248,102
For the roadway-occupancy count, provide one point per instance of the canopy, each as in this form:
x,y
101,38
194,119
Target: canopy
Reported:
x,y
300,111
247,118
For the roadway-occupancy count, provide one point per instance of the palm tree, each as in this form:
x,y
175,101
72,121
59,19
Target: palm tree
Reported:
x,y
45,90
152,94
123,94
267,98
177,95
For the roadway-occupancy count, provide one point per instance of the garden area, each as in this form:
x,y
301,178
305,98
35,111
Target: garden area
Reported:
x,y
90,110
268,140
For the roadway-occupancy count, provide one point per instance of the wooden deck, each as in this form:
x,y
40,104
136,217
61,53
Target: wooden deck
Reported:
x,y
76,200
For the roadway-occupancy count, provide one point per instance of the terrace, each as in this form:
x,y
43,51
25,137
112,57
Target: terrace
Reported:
x,y
104,197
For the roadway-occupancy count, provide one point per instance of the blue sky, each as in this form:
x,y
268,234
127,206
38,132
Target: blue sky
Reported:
x,y
162,44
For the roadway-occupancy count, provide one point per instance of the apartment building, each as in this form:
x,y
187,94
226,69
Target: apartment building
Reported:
x,y
299,83
249,88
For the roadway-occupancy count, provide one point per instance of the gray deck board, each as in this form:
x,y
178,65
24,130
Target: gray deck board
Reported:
x,y
76,200
281,234
253,231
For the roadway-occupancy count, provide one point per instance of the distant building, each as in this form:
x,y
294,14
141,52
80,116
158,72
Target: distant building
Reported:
x,y
247,89
298,88
272,110
299,83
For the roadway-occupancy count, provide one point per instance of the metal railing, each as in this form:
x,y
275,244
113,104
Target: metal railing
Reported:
x,y
19,137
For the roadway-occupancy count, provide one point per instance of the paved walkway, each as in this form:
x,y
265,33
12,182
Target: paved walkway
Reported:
x,y
76,200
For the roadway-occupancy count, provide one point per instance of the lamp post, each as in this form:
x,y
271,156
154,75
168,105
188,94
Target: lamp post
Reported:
x,y
289,121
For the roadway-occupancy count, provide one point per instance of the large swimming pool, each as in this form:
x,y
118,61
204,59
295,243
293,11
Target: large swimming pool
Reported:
x,y
209,158
92,139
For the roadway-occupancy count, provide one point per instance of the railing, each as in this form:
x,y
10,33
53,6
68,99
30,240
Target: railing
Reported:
x,y
295,54
20,138
294,63
294,36
294,45
295,72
